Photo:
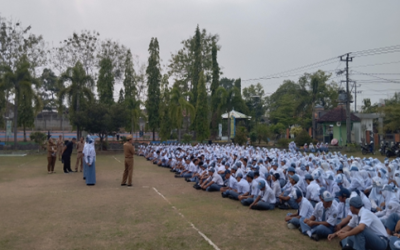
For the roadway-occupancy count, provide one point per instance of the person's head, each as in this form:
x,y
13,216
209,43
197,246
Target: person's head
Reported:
x,y
326,198
196,161
275,177
227,165
355,204
187,160
261,185
343,194
250,177
234,169
74,140
227,174
294,179
297,195
129,138
239,176
82,139
308,178
211,171
256,174
291,171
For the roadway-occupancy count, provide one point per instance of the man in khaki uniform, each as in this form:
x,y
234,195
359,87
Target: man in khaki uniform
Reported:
x,y
79,155
129,152
51,155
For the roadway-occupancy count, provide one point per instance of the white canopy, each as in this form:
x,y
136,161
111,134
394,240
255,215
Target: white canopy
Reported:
x,y
235,114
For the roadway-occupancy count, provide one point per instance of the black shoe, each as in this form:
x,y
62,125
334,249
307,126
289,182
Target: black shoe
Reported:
x,y
347,247
314,237
178,176
129,185
283,207
123,184
84,178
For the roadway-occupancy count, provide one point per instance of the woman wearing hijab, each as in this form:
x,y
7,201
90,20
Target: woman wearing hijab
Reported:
x,y
90,160
356,180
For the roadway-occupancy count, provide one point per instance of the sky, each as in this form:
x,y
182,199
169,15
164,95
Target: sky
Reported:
x,y
257,38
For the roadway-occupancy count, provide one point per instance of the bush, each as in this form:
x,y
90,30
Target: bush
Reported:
x,y
241,136
123,139
187,138
38,137
283,142
253,137
302,138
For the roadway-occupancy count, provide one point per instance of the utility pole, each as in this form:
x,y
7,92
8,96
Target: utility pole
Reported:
x,y
355,95
347,59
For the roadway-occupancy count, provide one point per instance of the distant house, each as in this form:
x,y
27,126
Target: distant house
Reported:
x,y
333,123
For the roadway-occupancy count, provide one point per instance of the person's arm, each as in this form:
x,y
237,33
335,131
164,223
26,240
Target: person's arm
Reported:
x,y
289,217
65,147
344,222
354,231
209,184
255,202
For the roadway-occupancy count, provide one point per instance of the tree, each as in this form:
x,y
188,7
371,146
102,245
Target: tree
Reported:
x,y
215,116
256,100
105,83
180,107
50,87
197,65
263,132
202,123
165,120
153,82
78,93
367,107
29,106
392,113
20,82
121,98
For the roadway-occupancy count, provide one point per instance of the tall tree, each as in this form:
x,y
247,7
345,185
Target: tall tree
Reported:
x,y
179,108
215,116
20,82
105,83
202,122
153,83
121,98
29,106
78,93
197,64
165,120
50,87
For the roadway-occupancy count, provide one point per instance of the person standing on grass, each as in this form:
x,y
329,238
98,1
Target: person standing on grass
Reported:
x,y
129,152
66,155
79,155
90,161
59,147
51,156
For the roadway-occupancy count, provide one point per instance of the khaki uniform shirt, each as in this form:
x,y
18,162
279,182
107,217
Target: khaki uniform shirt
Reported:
x,y
79,147
129,150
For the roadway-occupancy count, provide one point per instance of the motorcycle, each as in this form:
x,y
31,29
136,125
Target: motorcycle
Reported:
x,y
392,151
382,150
367,149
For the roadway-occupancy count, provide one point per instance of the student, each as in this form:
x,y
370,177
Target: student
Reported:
x,y
232,183
266,198
364,231
344,214
242,187
305,210
312,190
323,220
285,199
248,198
215,183
393,229
276,186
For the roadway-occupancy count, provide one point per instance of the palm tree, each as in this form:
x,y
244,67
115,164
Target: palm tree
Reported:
x,y
179,107
19,81
80,91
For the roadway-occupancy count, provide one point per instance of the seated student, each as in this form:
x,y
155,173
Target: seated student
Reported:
x,y
285,199
364,231
232,183
313,188
275,170
266,199
323,220
215,182
305,210
276,186
344,214
242,187
248,198
393,229
196,175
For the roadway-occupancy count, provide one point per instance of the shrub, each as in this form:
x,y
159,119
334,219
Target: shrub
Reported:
x,y
283,142
187,138
302,138
123,139
253,136
241,136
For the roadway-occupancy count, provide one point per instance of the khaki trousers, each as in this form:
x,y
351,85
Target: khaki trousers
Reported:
x,y
51,162
128,171
79,161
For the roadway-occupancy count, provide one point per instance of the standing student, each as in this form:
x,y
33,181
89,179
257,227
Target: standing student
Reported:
x,y
364,231
66,155
90,160
129,152
79,155
51,156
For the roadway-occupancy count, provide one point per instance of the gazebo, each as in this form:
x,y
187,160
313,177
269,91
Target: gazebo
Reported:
x,y
232,116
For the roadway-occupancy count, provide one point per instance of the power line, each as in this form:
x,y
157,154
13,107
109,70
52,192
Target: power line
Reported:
x,y
377,77
376,64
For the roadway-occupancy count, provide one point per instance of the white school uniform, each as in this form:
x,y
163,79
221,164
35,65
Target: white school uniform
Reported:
x,y
306,209
370,220
331,213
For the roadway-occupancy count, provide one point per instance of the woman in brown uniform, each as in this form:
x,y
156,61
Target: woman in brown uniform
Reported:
x,y
51,156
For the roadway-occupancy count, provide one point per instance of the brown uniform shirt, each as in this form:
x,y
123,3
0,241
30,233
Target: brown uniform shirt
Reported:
x,y
79,147
51,148
129,150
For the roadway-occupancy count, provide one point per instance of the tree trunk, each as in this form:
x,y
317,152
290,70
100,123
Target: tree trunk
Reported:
x,y
24,133
154,134
15,116
179,134
77,127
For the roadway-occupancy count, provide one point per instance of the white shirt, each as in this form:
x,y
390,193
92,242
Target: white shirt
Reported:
x,y
331,213
267,195
343,210
276,187
306,209
313,191
243,187
233,182
369,219
217,179
254,188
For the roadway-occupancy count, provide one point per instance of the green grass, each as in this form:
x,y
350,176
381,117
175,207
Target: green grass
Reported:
x,y
58,211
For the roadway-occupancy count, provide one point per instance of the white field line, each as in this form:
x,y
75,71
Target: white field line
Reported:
x,y
193,226
117,159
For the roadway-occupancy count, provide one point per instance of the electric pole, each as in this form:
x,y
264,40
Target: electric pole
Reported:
x,y
347,59
355,95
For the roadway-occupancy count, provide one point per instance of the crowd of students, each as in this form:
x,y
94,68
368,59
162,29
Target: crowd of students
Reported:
x,y
354,199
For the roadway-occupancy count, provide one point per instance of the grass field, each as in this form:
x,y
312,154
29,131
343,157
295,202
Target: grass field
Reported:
x,y
58,211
